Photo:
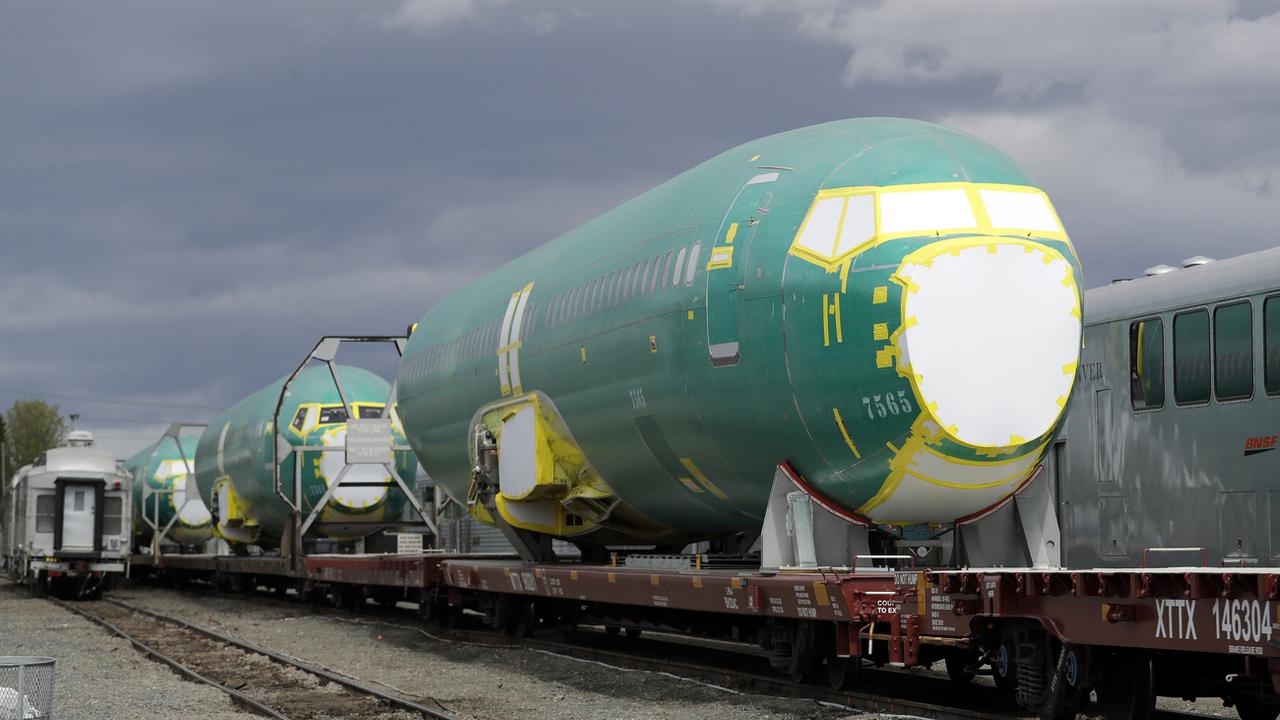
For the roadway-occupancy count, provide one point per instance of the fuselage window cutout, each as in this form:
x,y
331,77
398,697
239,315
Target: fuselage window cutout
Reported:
x,y
666,271
627,282
1271,345
1191,358
1233,351
332,415
644,278
636,284
570,304
546,315
675,275
299,419
691,269
613,288
1146,364
657,270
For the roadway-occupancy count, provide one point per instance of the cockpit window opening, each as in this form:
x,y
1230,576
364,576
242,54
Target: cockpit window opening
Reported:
x,y
369,411
299,419
332,415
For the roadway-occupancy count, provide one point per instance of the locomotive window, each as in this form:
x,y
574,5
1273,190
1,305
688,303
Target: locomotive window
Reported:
x,y
1233,351
1191,357
299,419
45,505
692,268
369,411
331,414
1146,364
112,512
1271,344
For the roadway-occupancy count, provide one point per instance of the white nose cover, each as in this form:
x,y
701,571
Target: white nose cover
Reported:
x,y
991,337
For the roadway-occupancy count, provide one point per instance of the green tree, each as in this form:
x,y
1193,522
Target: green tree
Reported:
x,y
31,427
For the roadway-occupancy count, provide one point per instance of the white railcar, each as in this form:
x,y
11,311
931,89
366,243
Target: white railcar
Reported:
x,y
66,520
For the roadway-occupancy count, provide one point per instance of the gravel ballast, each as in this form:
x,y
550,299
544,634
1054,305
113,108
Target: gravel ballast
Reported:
x,y
469,680
100,676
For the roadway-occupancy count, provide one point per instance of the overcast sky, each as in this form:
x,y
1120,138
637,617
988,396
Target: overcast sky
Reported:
x,y
191,193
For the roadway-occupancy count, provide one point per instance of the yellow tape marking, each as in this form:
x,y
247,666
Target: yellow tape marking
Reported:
x,y
584,354
835,310
754,158
706,483
884,357
689,483
690,314
735,583
847,440
573,574
880,331
697,581
613,578
880,295
826,330
653,579
733,232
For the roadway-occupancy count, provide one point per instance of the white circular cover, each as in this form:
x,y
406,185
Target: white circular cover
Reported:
x,y
992,337
351,497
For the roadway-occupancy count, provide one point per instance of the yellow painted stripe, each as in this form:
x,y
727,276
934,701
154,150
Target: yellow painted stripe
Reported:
x,y
697,475
847,440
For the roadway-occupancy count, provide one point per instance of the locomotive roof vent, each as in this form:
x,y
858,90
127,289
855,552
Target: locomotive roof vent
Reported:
x,y
79,438
1196,261
1159,270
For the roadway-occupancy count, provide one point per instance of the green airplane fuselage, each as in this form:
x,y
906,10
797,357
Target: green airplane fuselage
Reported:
x,y
684,344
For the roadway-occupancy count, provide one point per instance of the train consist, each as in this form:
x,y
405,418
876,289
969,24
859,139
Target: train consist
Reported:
x,y
809,395
65,520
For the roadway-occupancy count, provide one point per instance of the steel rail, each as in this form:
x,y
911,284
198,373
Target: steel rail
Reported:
x,y
343,680
235,695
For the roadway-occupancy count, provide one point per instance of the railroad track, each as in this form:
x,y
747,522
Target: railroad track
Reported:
x,y
896,692
258,679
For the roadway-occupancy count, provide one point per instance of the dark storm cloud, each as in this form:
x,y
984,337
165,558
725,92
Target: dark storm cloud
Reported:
x,y
191,193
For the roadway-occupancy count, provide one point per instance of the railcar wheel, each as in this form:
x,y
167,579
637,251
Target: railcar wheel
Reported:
x,y
1003,671
1254,709
1129,691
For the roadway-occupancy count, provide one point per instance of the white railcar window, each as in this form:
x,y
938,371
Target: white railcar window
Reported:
x,y
112,515
1271,344
1146,364
1191,357
45,511
1233,351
